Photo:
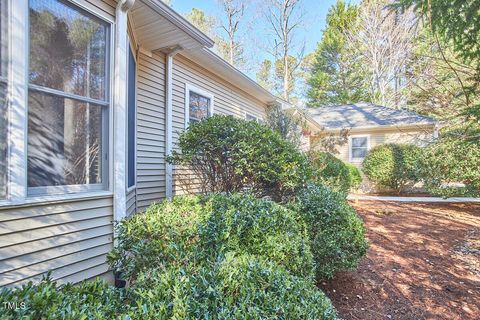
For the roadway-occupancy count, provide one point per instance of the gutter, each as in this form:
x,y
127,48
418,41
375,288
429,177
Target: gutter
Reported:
x,y
168,121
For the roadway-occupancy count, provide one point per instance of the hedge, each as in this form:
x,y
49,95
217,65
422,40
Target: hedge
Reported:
x,y
329,170
393,166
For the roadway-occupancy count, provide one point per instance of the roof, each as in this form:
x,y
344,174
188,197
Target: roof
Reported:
x,y
158,27
366,115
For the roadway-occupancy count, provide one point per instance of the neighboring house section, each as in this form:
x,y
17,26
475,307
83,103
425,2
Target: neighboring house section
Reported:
x,y
94,96
370,125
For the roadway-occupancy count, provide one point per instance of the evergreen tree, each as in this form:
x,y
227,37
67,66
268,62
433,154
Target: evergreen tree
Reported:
x,y
336,76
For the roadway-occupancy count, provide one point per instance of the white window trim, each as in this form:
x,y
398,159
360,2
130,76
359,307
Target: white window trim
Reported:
x,y
351,159
134,186
17,108
257,119
202,92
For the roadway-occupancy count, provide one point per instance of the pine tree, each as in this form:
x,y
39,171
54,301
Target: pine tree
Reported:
x,y
336,77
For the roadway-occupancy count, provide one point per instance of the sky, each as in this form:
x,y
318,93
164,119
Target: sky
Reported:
x,y
308,35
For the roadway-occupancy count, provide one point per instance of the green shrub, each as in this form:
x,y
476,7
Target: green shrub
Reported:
x,y
453,159
201,228
47,300
354,175
237,287
165,234
243,224
329,170
336,232
228,154
393,166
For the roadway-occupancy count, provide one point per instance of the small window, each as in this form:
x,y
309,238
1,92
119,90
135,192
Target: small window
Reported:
x,y
199,104
3,97
250,117
67,99
131,119
359,148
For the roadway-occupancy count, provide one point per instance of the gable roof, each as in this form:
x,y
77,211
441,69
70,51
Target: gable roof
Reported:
x,y
365,115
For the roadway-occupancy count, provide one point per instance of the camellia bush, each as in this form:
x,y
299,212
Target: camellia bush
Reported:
x,y
203,228
228,154
393,166
453,159
331,171
337,234
221,256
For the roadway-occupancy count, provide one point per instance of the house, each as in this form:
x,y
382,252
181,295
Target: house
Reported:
x,y
94,94
369,125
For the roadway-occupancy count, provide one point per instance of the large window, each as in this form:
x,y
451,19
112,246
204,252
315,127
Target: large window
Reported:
x,y
199,104
359,146
131,120
3,96
68,99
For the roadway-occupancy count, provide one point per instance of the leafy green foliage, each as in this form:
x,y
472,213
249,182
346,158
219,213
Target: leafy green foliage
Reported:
x,y
232,288
243,224
336,76
454,158
331,171
336,232
47,300
227,154
286,125
392,165
167,233
205,228
354,175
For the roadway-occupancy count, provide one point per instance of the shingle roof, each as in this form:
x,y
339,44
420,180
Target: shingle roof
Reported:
x,y
365,115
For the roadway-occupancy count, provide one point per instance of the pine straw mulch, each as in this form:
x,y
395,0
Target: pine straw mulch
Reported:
x,y
423,263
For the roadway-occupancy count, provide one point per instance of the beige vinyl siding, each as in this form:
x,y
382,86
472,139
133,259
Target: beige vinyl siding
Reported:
x,y
70,239
150,185
420,137
228,100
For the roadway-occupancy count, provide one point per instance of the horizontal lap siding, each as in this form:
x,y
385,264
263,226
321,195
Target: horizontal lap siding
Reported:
x,y
229,100
150,131
70,239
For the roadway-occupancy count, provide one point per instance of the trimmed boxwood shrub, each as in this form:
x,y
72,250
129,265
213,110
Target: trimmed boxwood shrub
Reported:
x,y
228,154
337,234
237,287
329,170
454,158
48,300
354,175
393,166
203,227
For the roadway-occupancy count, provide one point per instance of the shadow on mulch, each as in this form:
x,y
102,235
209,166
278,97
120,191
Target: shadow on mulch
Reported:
x,y
422,263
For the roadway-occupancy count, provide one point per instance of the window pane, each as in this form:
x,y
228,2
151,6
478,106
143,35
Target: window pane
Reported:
x,y
68,49
199,107
359,142
359,153
131,120
64,141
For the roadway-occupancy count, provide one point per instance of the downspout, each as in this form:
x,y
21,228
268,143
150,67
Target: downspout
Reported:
x,y
168,121
120,109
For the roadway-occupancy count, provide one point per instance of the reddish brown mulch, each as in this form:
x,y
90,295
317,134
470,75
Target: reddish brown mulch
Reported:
x,y
423,263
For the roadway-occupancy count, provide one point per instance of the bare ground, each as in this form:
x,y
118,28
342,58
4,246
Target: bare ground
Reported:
x,y
423,263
